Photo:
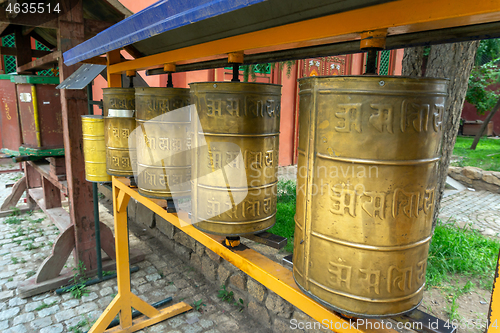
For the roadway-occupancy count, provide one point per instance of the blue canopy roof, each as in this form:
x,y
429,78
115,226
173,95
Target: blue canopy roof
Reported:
x,y
164,15
174,24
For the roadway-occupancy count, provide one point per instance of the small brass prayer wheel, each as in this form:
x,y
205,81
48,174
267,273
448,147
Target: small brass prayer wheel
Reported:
x,y
235,156
119,123
94,149
163,142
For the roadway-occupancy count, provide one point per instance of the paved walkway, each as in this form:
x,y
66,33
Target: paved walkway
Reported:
x,y
26,241
477,209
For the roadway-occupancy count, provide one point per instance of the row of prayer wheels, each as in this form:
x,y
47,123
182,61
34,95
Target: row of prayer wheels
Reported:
x,y
368,154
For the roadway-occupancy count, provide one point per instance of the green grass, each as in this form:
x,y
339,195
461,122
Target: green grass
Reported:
x,y
285,224
45,305
13,220
486,156
461,251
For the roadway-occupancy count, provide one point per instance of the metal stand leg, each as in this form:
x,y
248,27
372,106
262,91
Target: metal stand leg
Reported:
x,y
123,303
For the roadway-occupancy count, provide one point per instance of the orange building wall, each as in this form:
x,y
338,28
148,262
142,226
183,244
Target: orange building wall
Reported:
x,y
288,130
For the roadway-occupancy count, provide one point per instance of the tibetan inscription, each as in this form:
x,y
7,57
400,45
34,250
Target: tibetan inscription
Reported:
x,y
418,117
248,208
347,201
254,107
397,279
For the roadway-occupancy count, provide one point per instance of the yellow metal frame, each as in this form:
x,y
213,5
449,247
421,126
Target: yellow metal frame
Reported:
x,y
262,269
397,17
125,300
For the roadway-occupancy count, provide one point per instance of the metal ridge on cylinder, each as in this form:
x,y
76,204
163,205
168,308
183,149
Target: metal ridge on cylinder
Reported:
x,y
94,149
369,148
119,124
163,142
235,159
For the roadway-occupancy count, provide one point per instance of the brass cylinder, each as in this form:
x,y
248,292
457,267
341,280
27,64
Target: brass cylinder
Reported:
x,y
119,123
369,149
235,159
94,149
163,142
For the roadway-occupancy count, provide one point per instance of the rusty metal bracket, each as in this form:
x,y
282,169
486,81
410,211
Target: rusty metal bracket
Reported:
x,y
268,239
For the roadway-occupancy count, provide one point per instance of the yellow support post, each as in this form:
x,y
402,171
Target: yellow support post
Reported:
x,y
494,313
125,300
114,80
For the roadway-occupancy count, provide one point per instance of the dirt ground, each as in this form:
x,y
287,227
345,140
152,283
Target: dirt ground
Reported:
x,y
471,313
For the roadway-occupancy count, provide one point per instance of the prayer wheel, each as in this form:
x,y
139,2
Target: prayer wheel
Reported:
x,y
235,156
369,148
163,142
119,123
94,149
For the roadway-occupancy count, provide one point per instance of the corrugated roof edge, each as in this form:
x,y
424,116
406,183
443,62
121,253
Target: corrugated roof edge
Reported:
x,y
160,17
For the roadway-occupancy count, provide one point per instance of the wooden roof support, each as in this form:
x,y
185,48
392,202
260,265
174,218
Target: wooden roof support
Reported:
x,y
133,51
96,61
2,71
23,48
44,20
44,62
3,26
7,31
42,40
93,27
12,51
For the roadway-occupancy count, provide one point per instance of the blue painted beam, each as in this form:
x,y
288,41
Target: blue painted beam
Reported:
x,y
160,17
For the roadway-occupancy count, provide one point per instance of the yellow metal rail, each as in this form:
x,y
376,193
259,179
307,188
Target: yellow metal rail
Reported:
x,y
272,275
125,300
398,17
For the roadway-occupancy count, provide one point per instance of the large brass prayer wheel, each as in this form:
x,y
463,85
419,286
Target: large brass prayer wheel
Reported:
x,y
119,123
163,142
235,159
369,148
94,149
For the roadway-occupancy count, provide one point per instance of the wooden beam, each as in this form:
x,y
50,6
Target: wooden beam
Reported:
x,y
41,63
28,30
12,51
96,61
31,20
3,26
8,31
17,192
42,40
133,51
93,27
74,105
2,70
23,48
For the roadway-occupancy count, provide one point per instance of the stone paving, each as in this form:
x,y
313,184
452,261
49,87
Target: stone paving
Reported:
x,y
477,209
26,240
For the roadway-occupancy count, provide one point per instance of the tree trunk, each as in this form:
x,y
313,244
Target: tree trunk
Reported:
x,y
485,124
453,61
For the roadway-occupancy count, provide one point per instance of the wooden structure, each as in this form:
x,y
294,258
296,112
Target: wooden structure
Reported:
x,y
191,41
48,183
